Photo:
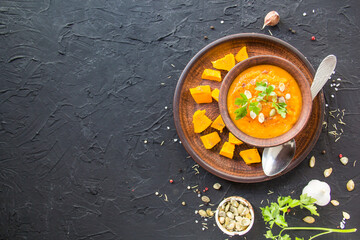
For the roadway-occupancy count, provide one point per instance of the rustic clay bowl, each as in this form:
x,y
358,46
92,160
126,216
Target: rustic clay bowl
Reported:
x,y
244,202
292,70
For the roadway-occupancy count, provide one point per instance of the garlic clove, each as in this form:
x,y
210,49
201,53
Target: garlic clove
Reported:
x,y
271,19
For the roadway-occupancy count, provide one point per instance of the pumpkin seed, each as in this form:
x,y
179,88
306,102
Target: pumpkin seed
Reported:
x,y
344,160
312,162
227,207
205,199
238,226
272,112
202,213
217,186
248,94
282,100
232,209
346,215
238,218
350,185
231,226
309,219
235,203
327,172
245,222
227,221
230,215
240,208
209,212
222,220
261,118
335,202
252,114
222,214
281,87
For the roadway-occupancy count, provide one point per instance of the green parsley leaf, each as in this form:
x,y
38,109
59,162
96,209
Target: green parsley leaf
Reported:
x,y
254,107
280,108
269,235
280,221
241,101
296,238
285,237
240,112
261,86
269,89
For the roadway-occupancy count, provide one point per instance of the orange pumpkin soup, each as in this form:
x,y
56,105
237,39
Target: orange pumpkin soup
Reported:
x,y
264,101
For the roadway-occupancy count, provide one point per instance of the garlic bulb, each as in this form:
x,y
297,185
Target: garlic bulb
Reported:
x,y
318,190
271,19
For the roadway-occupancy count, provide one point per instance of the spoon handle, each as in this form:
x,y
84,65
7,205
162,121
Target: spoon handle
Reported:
x,y
322,74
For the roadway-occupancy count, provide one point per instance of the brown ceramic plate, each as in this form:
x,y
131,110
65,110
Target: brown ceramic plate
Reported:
x,y
294,72
184,107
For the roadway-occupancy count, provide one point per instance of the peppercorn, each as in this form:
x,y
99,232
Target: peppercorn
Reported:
x,y
323,152
206,189
340,155
171,181
205,37
313,38
212,27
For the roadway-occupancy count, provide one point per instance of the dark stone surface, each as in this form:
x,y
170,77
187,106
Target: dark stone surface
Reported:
x,y
81,90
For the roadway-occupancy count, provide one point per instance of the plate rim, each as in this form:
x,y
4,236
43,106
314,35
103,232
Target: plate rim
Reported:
x,y
181,133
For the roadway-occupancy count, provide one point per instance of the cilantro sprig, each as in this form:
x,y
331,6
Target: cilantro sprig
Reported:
x,y
266,91
280,108
274,214
244,104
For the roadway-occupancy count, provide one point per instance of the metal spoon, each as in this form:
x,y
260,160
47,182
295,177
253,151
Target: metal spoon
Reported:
x,y
276,159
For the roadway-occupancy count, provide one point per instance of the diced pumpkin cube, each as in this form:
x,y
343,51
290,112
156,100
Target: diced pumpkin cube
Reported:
x,y
225,63
242,54
250,156
211,74
227,150
210,140
215,94
218,123
201,94
234,140
201,121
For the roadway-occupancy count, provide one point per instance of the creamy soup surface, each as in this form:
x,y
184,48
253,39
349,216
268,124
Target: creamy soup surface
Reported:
x,y
279,110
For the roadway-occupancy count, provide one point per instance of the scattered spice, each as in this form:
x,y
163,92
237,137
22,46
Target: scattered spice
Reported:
x,y
212,27
157,193
292,30
323,152
271,19
166,198
205,37
162,143
313,38
171,181
183,203
340,155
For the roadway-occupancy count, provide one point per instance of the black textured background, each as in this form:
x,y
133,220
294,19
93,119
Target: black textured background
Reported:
x,y
85,103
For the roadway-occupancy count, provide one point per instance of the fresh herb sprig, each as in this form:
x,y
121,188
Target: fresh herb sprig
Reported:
x,y
275,214
280,108
244,103
266,91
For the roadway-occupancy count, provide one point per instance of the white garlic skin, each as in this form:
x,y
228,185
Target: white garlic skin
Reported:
x,y
271,19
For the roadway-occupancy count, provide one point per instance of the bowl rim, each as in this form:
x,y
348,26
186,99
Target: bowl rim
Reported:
x,y
247,203
292,70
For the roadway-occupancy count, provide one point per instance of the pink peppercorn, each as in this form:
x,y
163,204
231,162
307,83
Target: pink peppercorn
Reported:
x,y
340,155
171,181
313,38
